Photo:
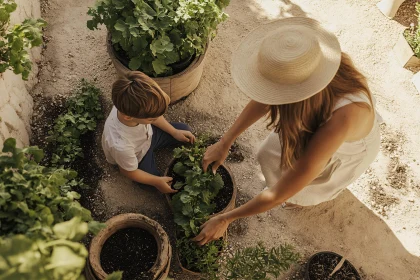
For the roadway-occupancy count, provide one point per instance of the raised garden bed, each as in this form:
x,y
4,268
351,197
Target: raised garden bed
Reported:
x,y
321,265
131,243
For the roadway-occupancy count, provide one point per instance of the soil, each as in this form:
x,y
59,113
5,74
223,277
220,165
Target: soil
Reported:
x,y
224,196
131,250
322,265
374,224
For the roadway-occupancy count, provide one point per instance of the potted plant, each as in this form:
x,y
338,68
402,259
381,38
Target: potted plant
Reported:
x,y
16,41
132,243
330,265
166,40
407,48
200,195
189,158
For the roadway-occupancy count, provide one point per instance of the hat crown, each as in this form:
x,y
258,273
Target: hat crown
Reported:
x,y
289,55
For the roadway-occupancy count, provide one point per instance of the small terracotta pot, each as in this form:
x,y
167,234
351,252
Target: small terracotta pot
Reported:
x,y
159,270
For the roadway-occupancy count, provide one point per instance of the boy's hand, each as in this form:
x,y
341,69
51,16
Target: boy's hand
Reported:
x,y
184,136
163,184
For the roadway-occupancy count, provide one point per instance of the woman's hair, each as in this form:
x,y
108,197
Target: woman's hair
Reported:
x,y
297,122
138,96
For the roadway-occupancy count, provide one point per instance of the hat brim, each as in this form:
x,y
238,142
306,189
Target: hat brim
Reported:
x,y
251,82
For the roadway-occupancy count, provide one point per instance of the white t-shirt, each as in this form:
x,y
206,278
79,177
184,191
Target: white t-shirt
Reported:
x,y
125,145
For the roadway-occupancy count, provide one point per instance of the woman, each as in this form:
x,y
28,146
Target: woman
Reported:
x,y
326,130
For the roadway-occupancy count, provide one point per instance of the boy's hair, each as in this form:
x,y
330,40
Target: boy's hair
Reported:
x,y
137,95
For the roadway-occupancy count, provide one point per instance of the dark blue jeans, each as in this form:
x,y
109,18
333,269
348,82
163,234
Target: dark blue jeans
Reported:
x,y
160,139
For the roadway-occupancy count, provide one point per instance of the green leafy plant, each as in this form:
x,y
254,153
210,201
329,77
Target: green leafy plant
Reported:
x,y
16,41
41,220
412,35
153,34
258,263
83,112
193,204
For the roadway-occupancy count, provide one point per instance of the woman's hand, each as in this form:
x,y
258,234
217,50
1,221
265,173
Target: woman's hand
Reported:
x,y
215,154
213,229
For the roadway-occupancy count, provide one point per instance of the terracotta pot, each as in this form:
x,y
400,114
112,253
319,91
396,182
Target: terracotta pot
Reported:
x,y
232,201
404,54
159,270
326,253
176,86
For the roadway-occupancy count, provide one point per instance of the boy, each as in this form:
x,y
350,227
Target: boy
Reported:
x,y
135,128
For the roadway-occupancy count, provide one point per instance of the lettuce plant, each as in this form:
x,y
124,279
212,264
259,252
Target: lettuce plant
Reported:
x,y
153,34
41,221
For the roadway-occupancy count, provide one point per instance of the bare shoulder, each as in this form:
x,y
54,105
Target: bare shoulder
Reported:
x,y
356,118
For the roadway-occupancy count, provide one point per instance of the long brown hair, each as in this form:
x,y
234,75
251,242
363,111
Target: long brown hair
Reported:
x,y
297,122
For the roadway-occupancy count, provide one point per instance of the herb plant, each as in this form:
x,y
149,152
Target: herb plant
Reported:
x,y
258,263
16,41
83,112
41,221
192,205
412,35
153,34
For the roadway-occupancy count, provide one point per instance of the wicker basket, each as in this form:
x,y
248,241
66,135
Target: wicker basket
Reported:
x,y
176,86
160,269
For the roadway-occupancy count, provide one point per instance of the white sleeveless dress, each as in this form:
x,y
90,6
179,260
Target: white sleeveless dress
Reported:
x,y
345,166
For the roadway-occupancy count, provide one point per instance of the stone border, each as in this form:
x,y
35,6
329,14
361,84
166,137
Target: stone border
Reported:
x,y
16,104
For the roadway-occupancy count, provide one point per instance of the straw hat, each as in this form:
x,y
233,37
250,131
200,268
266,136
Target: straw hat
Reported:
x,y
286,61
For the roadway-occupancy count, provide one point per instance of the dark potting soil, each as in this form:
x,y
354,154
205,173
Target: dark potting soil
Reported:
x,y
225,194
322,265
131,250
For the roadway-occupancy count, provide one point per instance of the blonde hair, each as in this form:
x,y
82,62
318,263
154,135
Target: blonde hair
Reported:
x,y
138,96
297,122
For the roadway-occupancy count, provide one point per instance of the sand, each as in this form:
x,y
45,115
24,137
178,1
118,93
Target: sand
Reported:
x,y
375,223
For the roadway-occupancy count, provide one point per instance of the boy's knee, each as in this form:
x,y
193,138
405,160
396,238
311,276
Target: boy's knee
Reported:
x,y
181,126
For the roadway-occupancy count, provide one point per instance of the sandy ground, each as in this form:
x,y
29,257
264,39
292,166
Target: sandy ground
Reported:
x,y
375,223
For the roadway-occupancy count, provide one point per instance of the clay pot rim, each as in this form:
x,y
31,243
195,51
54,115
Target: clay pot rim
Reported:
x,y
130,220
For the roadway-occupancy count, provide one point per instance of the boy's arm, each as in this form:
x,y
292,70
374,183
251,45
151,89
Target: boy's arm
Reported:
x,y
140,176
128,164
180,135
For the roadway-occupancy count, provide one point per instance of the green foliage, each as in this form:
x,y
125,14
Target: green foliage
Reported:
x,y
117,275
412,35
258,263
192,205
41,221
16,41
154,34
83,112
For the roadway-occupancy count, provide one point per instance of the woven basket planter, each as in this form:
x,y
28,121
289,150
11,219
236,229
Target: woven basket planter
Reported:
x,y
176,86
